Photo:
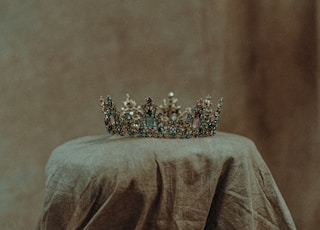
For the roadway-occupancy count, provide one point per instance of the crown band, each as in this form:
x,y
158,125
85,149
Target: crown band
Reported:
x,y
165,121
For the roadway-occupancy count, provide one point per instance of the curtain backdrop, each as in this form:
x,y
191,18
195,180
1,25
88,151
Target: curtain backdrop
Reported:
x,y
58,57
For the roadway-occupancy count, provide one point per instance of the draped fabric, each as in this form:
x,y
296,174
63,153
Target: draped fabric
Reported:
x,y
58,57
219,182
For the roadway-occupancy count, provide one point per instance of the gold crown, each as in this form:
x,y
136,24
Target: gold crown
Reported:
x,y
165,121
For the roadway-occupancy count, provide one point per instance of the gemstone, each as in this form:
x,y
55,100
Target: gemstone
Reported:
x,y
112,121
174,116
149,121
195,123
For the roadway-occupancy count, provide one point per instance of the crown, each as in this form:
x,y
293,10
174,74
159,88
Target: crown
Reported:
x,y
164,121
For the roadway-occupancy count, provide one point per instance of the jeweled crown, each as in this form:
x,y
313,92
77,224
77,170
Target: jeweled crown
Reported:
x,y
164,121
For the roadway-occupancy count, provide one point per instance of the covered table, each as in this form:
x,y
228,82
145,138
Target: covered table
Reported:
x,y
110,182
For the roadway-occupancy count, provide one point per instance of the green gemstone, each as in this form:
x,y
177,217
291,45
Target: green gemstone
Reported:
x,y
149,121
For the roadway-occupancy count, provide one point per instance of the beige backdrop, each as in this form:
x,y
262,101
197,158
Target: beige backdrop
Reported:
x,y
58,57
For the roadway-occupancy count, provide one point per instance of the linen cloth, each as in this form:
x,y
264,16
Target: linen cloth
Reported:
x,y
109,182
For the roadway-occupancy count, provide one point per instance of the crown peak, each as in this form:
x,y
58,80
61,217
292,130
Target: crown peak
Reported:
x,y
149,100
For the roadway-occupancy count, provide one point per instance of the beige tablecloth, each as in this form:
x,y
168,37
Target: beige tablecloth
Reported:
x,y
107,182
